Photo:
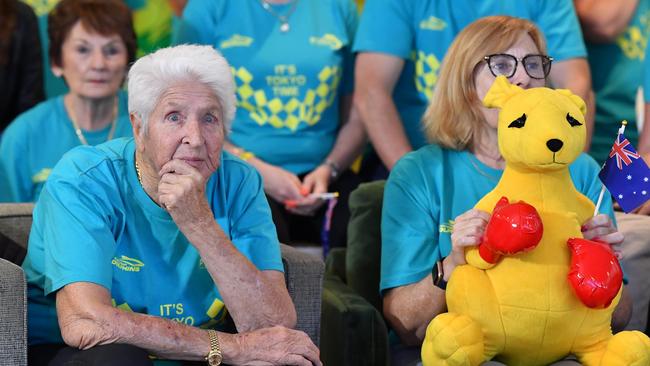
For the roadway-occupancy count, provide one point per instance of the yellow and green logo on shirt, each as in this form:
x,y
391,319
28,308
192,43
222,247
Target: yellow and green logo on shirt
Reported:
x,y
237,40
447,227
127,264
328,40
427,67
635,38
432,23
41,176
280,104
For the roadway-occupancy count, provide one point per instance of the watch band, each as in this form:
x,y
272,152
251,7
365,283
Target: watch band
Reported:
x,y
334,168
214,357
438,275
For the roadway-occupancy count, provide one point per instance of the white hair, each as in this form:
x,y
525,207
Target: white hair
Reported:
x,y
152,74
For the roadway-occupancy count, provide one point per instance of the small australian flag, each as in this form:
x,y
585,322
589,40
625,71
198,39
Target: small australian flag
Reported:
x,y
626,175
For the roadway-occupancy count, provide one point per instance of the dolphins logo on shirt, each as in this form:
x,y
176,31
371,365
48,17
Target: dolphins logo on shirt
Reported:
x,y
127,264
432,23
237,40
328,40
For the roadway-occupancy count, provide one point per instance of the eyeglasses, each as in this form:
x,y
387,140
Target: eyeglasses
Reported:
x,y
536,66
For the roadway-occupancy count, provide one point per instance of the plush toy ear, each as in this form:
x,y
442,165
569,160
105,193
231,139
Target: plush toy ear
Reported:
x,y
575,99
499,93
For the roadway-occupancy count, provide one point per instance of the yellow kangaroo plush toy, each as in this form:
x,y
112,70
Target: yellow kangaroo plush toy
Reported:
x,y
521,307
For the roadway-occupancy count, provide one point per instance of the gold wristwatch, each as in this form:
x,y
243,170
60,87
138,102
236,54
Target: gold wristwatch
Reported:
x,y
214,356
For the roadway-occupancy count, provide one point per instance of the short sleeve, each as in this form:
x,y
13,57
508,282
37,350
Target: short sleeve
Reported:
x,y
252,228
73,218
197,24
372,35
559,23
408,228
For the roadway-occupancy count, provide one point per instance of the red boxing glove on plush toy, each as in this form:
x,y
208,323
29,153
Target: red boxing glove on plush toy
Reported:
x,y
595,274
513,228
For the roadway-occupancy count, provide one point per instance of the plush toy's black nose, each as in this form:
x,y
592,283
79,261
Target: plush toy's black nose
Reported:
x,y
554,145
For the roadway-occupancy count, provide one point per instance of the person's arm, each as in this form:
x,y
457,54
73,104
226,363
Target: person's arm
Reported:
x,y
623,312
410,300
349,144
601,227
375,78
644,151
351,138
644,135
410,308
282,185
87,318
182,193
603,21
574,74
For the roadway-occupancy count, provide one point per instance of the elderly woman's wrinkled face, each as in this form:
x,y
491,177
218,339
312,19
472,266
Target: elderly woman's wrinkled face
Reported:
x,y
93,65
483,78
187,125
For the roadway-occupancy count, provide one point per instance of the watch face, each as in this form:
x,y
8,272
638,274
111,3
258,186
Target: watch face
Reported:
x,y
214,359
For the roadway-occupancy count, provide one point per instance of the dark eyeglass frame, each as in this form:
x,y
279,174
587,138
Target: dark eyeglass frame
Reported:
x,y
546,64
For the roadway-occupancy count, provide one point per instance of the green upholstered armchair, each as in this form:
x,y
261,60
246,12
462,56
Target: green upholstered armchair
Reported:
x,y
353,331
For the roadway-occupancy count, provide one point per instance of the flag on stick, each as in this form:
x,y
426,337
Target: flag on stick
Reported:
x,y
625,174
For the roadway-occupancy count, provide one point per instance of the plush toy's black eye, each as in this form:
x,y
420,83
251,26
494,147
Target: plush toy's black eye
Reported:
x,y
519,122
572,121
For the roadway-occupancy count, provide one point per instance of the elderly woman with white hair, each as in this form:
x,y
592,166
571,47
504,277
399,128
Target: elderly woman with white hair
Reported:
x,y
140,246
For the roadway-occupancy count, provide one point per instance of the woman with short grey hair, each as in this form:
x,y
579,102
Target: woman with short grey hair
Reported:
x,y
142,246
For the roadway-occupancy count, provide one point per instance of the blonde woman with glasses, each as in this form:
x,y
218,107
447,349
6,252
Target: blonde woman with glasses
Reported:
x,y
428,218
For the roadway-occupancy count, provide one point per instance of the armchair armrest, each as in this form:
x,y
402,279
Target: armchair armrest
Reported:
x,y
15,223
13,315
304,277
354,332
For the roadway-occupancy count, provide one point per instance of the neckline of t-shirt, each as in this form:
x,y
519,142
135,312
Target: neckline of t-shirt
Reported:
x,y
482,168
93,134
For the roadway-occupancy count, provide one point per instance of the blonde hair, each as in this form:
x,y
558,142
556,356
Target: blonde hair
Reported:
x,y
453,118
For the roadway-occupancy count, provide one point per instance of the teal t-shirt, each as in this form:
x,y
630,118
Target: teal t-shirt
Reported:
x,y
95,223
289,84
616,72
35,141
421,31
427,190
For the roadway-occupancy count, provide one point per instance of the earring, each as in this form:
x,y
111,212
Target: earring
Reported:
x,y
57,72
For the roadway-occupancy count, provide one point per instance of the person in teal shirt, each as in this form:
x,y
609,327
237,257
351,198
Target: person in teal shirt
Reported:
x,y
152,23
92,45
293,66
142,245
400,45
38,138
427,213
616,36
